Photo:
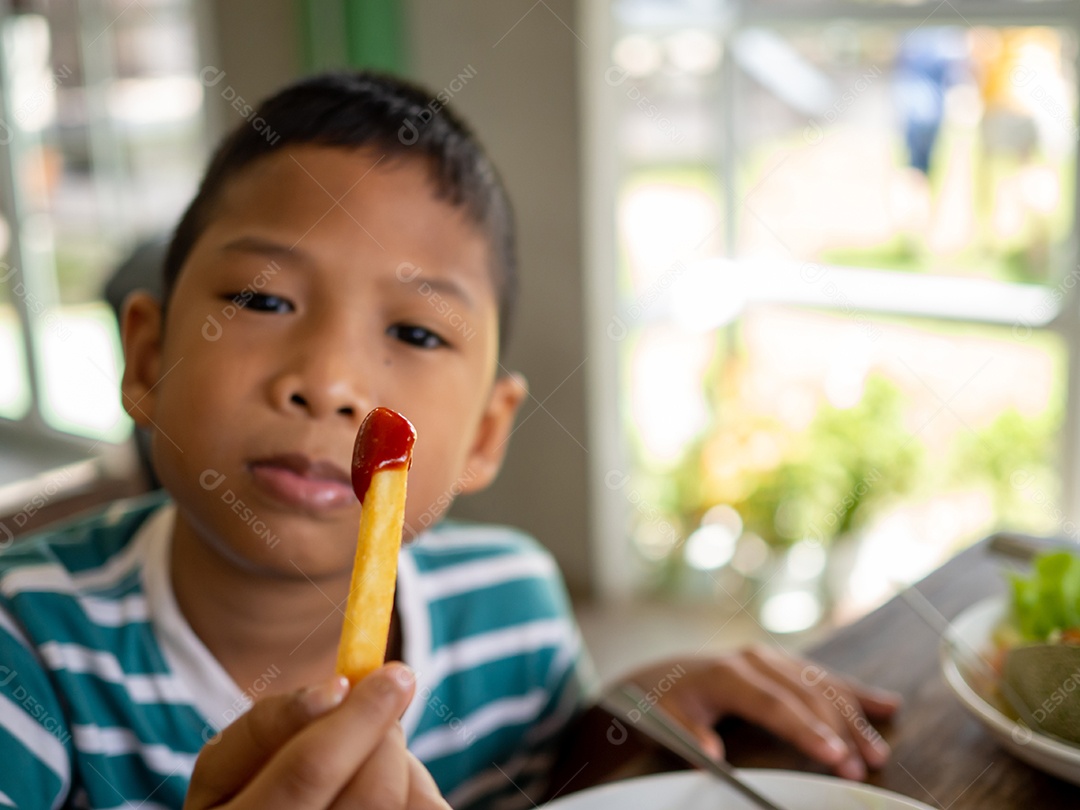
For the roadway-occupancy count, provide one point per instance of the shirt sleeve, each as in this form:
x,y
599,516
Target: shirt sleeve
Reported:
x,y
35,742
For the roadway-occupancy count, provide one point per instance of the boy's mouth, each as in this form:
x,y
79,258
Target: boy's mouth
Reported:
x,y
297,480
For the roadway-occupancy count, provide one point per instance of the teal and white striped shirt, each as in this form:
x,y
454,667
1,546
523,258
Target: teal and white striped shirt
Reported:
x,y
107,695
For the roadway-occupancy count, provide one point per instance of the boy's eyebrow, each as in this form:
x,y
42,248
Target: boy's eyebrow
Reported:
x,y
264,247
443,286
424,285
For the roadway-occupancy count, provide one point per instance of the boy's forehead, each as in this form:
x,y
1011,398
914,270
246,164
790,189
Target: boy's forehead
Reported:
x,y
323,200
336,176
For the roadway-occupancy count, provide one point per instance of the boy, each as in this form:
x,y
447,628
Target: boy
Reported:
x,y
337,268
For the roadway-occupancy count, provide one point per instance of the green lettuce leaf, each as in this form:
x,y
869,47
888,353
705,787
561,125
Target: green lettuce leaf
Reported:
x,y
1048,601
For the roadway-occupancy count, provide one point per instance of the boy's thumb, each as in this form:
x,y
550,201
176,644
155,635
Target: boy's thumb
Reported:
x,y
232,757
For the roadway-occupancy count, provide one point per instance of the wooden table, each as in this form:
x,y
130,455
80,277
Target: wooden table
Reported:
x,y
941,755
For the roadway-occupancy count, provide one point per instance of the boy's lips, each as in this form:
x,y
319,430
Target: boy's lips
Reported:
x,y
297,480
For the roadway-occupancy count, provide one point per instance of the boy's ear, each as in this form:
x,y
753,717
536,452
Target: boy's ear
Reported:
x,y
496,424
140,333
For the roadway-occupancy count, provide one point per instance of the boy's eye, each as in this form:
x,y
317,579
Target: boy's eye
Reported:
x,y
416,336
260,302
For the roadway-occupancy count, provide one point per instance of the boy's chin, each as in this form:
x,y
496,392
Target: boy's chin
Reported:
x,y
294,561
284,549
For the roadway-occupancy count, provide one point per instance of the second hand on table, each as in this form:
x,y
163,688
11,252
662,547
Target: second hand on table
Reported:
x,y
662,728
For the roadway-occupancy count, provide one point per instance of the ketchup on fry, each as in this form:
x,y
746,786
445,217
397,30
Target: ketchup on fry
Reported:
x,y
384,442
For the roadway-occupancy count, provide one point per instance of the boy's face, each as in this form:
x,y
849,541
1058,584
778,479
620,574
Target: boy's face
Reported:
x,y
361,289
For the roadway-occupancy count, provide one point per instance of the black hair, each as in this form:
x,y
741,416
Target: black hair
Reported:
x,y
358,109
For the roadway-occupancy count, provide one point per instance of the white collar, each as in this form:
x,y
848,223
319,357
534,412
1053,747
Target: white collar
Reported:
x,y
211,689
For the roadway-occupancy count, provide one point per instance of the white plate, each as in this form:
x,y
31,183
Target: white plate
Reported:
x,y
972,631
693,790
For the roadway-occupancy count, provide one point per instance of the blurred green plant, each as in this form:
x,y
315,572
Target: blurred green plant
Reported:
x,y
825,480
1014,457
789,484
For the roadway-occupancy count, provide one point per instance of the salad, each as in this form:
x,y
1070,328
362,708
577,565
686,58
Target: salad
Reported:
x,y
1046,604
1037,646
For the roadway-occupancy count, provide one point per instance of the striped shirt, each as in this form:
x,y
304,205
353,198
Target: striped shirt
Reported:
x,y
107,695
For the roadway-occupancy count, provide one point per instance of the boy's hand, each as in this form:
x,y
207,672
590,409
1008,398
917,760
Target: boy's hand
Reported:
x,y
823,714
319,748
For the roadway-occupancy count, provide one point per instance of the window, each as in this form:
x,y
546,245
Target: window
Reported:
x,y
842,254
101,147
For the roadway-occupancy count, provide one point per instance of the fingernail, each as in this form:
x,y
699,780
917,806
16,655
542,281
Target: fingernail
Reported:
x,y
393,678
712,749
324,697
881,748
403,674
853,768
835,744
885,696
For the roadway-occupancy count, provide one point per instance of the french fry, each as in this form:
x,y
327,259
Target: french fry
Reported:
x,y
382,456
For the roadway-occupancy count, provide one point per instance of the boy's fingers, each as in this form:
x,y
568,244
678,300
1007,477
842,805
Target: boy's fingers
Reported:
x,y
837,706
710,742
855,705
233,756
383,781
876,704
423,792
840,703
880,704
699,725
741,690
832,703
316,765
849,704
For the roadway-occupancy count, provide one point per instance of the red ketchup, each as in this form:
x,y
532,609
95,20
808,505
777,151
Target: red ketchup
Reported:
x,y
384,442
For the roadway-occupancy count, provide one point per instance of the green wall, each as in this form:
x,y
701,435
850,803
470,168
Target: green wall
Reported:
x,y
352,34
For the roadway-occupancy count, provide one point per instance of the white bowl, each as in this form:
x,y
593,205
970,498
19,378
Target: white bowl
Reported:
x,y
693,790
972,631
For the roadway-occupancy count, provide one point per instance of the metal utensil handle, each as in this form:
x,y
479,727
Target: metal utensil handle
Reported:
x,y
661,727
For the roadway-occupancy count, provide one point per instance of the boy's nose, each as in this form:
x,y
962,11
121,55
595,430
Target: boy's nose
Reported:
x,y
319,393
315,409
317,376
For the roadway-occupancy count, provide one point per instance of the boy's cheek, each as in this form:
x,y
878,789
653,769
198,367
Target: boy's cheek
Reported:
x,y
426,510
